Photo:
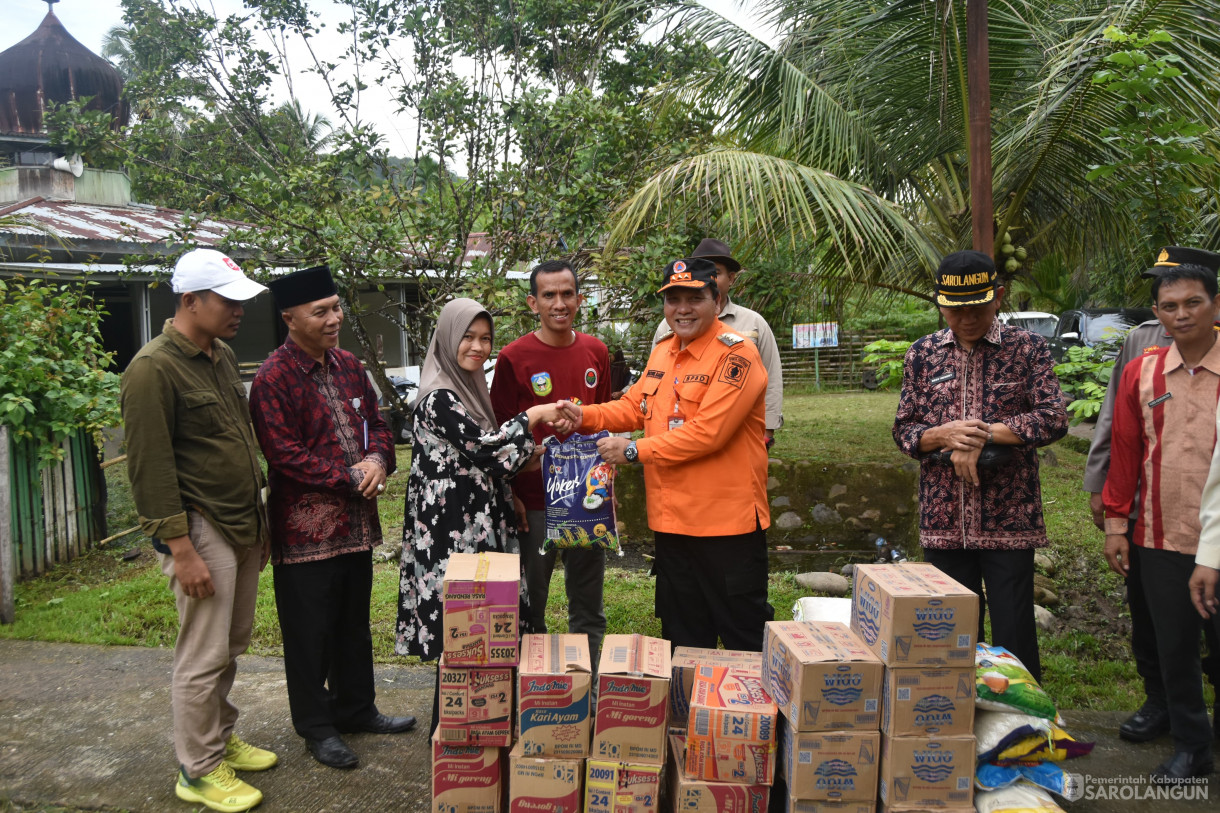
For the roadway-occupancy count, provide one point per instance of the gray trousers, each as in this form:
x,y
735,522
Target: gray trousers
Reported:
x,y
584,573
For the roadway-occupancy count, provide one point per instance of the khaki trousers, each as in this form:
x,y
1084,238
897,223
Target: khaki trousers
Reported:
x,y
212,632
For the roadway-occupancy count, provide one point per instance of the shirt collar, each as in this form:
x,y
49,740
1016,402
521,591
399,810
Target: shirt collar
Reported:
x,y
185,346
992,336
729,309
307,362
1210,362
699,344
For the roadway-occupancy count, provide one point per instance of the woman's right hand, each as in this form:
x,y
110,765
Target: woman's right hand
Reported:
x,y
570,418
544,413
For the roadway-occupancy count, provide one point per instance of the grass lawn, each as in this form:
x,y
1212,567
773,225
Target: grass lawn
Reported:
x,y
101,598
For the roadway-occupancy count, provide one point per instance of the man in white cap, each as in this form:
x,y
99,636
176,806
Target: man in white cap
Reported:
x,y
197,483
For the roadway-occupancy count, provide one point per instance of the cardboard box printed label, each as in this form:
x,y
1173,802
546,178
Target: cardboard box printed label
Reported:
x,y
927,771
840,766
912,614
621,787
554,680
465,778
691,795
926,702
813,806
731,737
822,676
682,678
544,785
632,699
476,705
480,599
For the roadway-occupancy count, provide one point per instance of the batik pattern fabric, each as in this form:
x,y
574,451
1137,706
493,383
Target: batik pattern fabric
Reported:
x,y
457,502
1009,378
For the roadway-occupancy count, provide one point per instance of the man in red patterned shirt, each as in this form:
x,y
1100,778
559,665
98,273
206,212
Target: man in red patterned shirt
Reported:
x,y
1161,442
329,452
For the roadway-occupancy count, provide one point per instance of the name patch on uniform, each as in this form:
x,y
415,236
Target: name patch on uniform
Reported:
x,y
697,378
730,339
1161,400
943,377
735,371
654,374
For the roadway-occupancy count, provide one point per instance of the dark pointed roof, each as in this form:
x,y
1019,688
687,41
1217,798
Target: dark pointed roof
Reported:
x,y
50,67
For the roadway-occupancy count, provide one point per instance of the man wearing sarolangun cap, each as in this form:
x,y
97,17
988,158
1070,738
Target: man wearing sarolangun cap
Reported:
x,y
1151,720
329,452
701,404
744,322
197,483
980,385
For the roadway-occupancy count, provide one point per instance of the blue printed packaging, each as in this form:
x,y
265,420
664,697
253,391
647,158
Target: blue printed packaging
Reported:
x,y
553,696
830,766
928,771
821,676
912,614
926,701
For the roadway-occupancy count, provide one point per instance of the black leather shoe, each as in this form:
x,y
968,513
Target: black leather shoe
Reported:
x,y
1183,765
1146,724
332,752
383,724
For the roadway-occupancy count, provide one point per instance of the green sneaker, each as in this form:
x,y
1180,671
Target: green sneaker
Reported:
x,y
219,790
242,756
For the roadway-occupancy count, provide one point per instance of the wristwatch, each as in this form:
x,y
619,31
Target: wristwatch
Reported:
x,y
631,453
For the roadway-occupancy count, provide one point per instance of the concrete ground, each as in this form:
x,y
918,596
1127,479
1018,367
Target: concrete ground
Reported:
x,y
88,728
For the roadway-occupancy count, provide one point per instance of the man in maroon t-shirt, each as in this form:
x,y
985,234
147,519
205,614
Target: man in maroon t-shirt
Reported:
x,y
550,364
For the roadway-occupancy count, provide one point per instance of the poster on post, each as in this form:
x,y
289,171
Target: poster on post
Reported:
x,y
814,335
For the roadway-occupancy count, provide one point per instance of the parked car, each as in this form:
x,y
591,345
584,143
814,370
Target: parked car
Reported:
x,y
1039,322
1089,327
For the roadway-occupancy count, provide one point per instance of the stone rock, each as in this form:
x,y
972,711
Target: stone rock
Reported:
x,y
848,570
1044,618
789,520
772,483
838,489
389,552
824,515
871,515
830,583
1049,458
1044,563
1044,591
901,510
781,502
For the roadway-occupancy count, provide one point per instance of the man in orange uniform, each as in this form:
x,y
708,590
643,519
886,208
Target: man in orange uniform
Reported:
x,y
702,405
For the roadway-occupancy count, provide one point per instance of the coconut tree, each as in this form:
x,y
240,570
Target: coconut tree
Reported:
x,y
847,139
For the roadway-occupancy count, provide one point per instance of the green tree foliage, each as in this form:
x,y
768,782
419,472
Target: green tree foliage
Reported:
x,y
53,377
1084,375
887,356
847,140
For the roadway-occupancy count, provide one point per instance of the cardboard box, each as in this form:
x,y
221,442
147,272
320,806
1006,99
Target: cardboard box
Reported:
x,y
691,795
632,700
812,806
553,710
686,658
480,597
621,787
465,778
927,771
544,785
912,614
476,705
731,737
824,766
928,702
822,676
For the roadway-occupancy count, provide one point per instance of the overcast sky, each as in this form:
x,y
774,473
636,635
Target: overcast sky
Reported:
x,y
89,20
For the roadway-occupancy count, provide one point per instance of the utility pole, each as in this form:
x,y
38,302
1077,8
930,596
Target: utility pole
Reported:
x,y
978,83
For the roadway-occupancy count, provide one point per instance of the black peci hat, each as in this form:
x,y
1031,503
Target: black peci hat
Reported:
x,y
300,287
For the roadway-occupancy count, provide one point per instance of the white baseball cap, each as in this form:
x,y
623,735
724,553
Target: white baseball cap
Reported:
x,y
204,269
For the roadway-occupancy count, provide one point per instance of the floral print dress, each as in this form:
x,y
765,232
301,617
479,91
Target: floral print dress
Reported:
x,y
457,501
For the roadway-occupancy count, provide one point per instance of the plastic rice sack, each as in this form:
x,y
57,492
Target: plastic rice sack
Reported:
x,y
995,731
1046,775
579,495
1002,683
1021,797
1053,747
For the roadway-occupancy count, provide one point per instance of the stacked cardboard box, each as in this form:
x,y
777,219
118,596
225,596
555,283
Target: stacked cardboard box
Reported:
x,y
682,677
922,624
623,773
475,692
731,736
827,684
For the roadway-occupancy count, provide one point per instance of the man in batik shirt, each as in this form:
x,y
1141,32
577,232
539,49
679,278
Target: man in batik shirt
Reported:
x,y
977,399
329,452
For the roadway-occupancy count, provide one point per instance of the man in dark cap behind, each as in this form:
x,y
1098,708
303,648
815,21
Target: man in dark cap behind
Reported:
x,y
980,386
329,452
1151,720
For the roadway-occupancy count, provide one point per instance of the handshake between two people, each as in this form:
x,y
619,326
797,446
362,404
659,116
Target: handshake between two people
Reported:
x,y
565,417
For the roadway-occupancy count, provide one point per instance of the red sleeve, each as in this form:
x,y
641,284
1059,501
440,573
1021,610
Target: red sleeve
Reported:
x,y
603,375
1126,444
504,389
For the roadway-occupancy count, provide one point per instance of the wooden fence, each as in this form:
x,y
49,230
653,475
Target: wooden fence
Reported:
x,y
48,515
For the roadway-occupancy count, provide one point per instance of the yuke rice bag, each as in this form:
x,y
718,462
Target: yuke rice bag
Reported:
x,y
579,495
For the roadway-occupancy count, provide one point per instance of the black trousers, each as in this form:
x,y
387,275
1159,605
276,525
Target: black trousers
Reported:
x,y
1009,578
1165,575
711,587
328,649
